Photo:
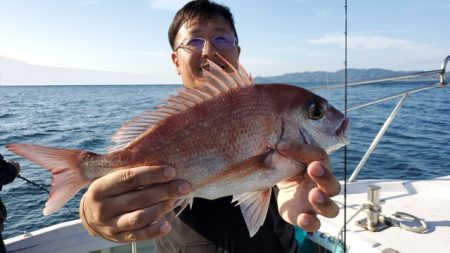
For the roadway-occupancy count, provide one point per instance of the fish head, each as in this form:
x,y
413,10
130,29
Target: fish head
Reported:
x,y
319,123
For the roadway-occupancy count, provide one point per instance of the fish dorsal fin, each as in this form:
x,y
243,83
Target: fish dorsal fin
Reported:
x,y
254,206
133,128
240,76
185,99
216,82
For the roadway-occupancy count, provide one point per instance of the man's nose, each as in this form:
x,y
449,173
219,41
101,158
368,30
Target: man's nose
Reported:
x,y
208,49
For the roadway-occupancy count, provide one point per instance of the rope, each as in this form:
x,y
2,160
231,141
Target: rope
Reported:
x,y
343,231
423,228
416,229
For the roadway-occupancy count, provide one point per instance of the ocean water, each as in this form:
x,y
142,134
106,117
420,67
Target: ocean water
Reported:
x,y
416,145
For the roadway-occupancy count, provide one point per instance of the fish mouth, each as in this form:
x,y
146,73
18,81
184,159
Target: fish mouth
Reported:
x,y
342,131
303,138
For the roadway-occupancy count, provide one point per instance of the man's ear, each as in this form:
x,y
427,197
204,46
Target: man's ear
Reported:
x,y
174,57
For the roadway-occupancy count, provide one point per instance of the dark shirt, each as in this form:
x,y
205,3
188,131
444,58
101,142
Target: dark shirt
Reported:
x,y
8,173
218,226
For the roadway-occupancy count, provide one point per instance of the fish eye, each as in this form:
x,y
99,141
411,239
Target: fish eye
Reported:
x,y
316,111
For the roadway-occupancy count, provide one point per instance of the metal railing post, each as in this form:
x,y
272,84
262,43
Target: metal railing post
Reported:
x,y
378,138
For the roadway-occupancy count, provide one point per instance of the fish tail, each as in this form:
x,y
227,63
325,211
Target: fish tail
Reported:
x,y
66,168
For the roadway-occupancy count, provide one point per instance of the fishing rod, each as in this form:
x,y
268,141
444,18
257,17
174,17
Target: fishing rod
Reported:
x,y
344,247
42,188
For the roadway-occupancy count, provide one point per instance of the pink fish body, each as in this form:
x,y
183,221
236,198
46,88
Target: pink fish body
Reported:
x,y
221,139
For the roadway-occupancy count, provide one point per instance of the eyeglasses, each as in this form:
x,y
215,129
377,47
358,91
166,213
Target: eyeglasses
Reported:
x,y
197,44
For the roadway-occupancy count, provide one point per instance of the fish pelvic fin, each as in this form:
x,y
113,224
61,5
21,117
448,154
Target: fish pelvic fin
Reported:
x,y
254,206
65,166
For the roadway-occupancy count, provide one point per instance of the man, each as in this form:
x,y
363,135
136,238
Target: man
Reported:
x,y
8,172
136,204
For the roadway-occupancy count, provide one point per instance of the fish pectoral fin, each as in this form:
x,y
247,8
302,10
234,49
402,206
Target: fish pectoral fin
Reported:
x,y
254,206
181,204
258,162
241,169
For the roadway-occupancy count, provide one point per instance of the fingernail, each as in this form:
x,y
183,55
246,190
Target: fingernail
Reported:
x,y
169,172
305,223
319,171
184,188
165,227
283,145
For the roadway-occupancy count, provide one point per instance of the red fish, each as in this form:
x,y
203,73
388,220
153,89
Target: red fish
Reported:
x,y
222,139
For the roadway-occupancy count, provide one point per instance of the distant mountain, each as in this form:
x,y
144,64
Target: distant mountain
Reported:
x,y
16,72
333,77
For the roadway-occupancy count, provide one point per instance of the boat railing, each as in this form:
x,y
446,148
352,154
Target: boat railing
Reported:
x,y
402,99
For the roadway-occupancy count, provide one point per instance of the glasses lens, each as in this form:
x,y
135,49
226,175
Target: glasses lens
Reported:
x,y
194,44
219,42
223,42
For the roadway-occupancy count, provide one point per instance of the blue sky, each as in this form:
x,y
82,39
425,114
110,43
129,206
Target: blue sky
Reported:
x,y
276,37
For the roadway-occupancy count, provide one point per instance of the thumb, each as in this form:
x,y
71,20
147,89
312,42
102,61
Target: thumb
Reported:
x,y
304,153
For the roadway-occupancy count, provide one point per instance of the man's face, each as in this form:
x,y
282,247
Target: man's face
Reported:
x,y
190,64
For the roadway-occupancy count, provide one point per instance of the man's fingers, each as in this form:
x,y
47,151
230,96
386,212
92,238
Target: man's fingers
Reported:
x,y
324,179
308,222
123,181
305,153
141,218
153,230
323,204
146,197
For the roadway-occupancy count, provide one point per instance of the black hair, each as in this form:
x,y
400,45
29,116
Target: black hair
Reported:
x,y
204,10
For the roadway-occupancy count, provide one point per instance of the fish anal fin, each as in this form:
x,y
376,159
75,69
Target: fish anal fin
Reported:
x,y
254,206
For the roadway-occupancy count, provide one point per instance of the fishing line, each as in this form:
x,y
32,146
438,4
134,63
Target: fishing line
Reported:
x,y
42,188
345,147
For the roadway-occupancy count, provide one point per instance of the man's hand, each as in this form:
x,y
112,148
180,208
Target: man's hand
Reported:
x,y
304,196
16,165
130,205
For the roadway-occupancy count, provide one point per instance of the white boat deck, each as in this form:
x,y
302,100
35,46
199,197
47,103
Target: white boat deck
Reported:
x,y
67,237
426,199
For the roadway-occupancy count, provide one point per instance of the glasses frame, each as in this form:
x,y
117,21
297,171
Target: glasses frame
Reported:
x,y
185,47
